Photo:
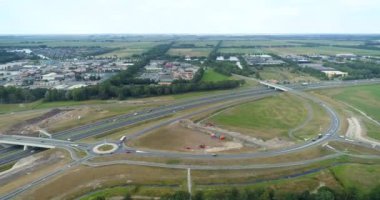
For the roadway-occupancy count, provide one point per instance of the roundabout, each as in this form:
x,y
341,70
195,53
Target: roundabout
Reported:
x,y
105,148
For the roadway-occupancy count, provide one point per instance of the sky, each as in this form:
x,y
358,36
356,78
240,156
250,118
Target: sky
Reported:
x,y
189,16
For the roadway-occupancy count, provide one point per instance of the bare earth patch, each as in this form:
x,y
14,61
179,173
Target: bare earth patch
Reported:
x,y
176,137
236,136
355,131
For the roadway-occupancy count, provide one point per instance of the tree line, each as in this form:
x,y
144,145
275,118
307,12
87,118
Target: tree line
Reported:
x,y
108,91
323,193
358,69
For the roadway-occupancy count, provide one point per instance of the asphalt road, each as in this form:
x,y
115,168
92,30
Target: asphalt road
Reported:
x,y
151,114
106,125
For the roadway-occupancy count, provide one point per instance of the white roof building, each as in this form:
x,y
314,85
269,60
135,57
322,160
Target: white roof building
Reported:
x,y
77,86
234,59
220,58
332,73
49,77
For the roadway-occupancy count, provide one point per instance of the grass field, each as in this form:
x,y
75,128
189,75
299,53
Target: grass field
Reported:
x,y
365,98
320,50
329,42
241,50
235,43
127,178
285,74
266,118
363,177
211,75
89,111
8,108
192,52
197,43
79,43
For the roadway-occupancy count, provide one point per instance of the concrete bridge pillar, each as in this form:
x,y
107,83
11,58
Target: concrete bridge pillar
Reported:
x,y
25,147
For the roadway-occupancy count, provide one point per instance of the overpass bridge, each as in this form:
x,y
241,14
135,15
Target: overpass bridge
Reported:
x,y
275,86
26,141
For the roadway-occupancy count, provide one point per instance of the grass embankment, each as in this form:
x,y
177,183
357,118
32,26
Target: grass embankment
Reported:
x,y
89,111
266,118
363,177
7,108
211,75
285,74
152,182
365,98
6,167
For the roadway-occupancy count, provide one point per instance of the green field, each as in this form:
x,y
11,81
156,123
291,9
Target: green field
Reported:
x,y
211,75
78,43
365,98
329,42
241,50
266,118
326,50
192,52
235,43
197,43
363,177
285,74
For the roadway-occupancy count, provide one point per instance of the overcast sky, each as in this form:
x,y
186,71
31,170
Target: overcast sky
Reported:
x,y
189,16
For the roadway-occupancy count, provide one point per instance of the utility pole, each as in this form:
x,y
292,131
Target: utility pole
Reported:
x,y
189,181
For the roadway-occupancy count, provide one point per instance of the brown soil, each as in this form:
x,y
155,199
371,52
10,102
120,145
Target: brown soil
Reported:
x,y
178,138
28,127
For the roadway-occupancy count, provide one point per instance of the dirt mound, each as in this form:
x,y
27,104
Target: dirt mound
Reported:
x,y
31,126
242,138
29,164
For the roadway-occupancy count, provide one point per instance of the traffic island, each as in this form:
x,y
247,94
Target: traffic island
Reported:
x,y
105,148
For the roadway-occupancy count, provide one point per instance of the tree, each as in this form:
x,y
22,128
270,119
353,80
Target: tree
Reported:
x,y
375,193
198,196
325,193
351,193
99,198
127,197
178,195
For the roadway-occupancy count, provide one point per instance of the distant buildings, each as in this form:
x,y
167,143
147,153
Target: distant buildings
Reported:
x,y
330,72
297,59
262,60
60,74
165,72
334,73
346,55
231,59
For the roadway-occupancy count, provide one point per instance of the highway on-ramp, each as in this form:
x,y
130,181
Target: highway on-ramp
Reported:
x,y
125,120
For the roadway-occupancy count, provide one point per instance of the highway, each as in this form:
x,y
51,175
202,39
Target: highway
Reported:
x,y
104,126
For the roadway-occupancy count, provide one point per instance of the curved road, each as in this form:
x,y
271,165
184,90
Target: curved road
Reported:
x,y
103,126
